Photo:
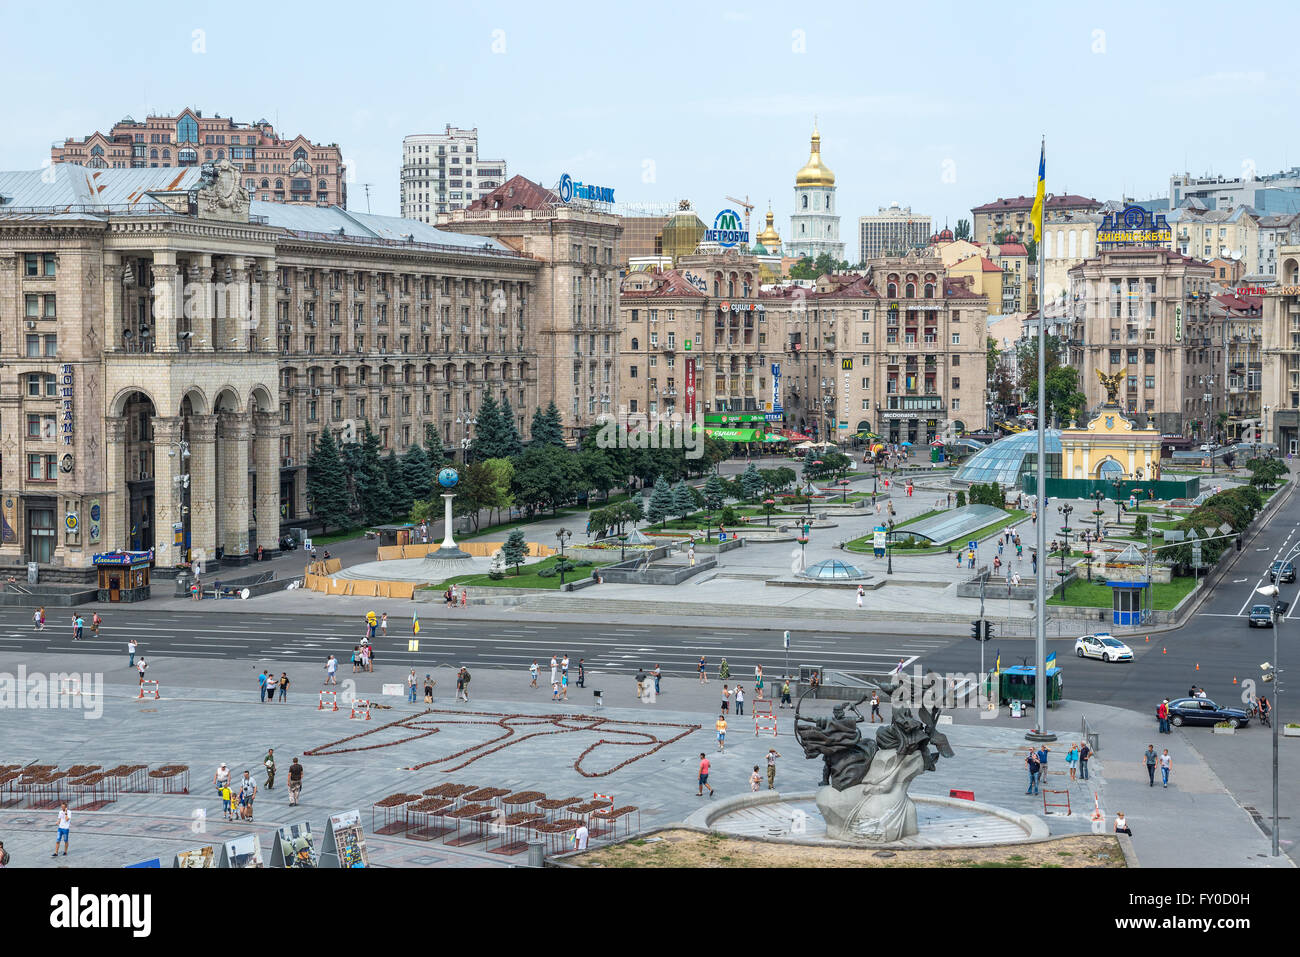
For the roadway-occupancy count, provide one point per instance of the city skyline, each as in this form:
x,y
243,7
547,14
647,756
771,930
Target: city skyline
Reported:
x,y
935,138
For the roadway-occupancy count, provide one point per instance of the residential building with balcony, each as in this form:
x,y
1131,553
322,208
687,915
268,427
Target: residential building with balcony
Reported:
x,y
276,169
894,231
1280,381
1226,233
1242,321
444,172
1012,215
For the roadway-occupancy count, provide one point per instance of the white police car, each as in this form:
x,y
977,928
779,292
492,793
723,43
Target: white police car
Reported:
x,y
1104,646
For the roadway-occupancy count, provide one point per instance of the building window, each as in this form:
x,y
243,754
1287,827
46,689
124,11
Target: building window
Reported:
x,y
956,338
42,467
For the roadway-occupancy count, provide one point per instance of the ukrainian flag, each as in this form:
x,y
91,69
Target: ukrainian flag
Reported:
x,y
415,624
1036,214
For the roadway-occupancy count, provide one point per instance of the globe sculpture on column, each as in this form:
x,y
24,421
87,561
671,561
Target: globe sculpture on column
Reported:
x,y
863,796
448,478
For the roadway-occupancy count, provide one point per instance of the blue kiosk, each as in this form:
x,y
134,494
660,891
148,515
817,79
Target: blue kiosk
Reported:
x,y
1126,602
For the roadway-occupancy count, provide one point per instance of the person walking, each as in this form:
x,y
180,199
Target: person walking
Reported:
x,y
656,674
1166,766
412,683
1162,715
38,619
704,679
221,778
1085,753
295,782
720,726
130,650
555,669
704,777
726,698
268,762
284,687
772,755
1071,758
1033,767
64,826
532,674
785,693
331,670
78,623
754,779
582,673
724,670
875,708
356,658
1150,757
1033,562
428,689
272,683
261,684
141,667
860,594
564,686
464,682
464,597
247,791
95,621
740,701
555,692
758,681
383,625
564,664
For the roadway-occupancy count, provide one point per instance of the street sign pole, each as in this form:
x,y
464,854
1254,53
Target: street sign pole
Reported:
x,y
787,655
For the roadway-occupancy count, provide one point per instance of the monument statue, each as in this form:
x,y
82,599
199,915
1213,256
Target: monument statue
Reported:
x,y
1111,384
863,794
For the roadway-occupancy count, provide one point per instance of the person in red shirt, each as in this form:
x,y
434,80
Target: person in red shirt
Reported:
x,y
704,777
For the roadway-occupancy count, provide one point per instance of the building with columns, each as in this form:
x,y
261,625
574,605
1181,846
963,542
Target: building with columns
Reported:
x,y
1280,354
815,225
172,351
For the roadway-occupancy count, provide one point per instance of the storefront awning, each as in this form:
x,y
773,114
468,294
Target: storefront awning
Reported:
x,y
774,437
734,435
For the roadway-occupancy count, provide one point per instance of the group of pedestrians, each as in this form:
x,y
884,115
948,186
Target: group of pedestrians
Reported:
x,y
453,596
78,623
269,683
237,797
1162,760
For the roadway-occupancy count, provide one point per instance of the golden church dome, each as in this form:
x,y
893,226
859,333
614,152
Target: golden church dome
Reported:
x,y
815,173
769,237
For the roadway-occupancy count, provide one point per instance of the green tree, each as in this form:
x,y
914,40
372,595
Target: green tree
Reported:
x,y
370,478
661,501
514,444
326,483
491,439
416,474
547,426
545,476
991,356
683,500
399,498
515,549
433,449
500,475
474,493
963,229
751,482
597,471
1064,400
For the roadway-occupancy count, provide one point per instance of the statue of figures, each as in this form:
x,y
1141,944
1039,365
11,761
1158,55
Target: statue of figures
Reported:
x,y
863,796
498,561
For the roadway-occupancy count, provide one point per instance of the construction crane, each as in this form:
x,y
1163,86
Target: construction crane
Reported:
x,y
746,204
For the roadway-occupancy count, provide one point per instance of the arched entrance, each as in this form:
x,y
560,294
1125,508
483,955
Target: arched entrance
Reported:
x,y
1108,470
139,413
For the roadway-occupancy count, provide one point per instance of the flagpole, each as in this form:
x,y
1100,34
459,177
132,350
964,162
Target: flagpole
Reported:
x,y
1039,731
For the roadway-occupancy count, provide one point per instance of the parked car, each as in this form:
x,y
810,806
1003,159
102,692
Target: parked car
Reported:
x,y
1104,646
288,543
1261,616
1282,571
1204,711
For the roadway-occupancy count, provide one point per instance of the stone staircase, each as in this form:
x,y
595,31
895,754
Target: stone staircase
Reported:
x,y
604,608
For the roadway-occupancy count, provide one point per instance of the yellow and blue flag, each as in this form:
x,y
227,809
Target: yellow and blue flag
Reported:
x,y
1036,214
1051,660
415,624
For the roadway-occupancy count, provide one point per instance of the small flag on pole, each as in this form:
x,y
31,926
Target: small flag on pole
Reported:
x,y
415,624
1051,659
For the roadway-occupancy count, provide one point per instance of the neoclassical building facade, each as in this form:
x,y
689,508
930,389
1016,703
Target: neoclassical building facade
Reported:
x,y
172,351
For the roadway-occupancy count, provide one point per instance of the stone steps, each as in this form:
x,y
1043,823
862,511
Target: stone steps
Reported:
x,y
554,604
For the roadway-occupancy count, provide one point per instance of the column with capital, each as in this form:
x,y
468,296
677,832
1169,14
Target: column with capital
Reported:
x,y
117,500
112,302
266,462
167,467
232,461
202,431
261,324
199,304
166,299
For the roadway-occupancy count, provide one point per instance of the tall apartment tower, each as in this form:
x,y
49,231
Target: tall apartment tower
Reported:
x,y
443,172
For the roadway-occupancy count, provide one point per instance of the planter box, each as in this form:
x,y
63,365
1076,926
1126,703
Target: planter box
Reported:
x,y
1224,730
1291,732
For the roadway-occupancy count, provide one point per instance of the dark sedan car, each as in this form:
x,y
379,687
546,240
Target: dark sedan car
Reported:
x,y
1261,616
1282,571
1204,711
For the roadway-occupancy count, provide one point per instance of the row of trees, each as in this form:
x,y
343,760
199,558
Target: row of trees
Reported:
x,y
1064,398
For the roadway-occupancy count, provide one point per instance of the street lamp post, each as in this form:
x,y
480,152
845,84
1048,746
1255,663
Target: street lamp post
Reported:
x,y
1098,496
1270,674
1065,510
889,549
803,542
564,535
622,545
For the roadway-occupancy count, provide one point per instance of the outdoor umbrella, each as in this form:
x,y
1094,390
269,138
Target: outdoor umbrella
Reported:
x,y
907,445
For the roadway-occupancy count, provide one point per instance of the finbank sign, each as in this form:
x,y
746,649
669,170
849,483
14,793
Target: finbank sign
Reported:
x,y
571,189
727,229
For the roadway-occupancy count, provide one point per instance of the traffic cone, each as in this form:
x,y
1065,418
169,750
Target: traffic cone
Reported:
x,y
1234,679
1148,639
1198,666
1164,651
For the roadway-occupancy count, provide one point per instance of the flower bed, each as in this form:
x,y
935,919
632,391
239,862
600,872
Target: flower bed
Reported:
x,y
554,804
396,800
170,779
522,817
471,810
430,805
487,794
591,806
81,770
523,797
458,790
560,825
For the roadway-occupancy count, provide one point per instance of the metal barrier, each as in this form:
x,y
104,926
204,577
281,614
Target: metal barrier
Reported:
x,y
1047,804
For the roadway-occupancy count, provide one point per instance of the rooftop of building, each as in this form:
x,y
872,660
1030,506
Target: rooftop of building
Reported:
x,y
1232,214
66,191
1027,202
518,192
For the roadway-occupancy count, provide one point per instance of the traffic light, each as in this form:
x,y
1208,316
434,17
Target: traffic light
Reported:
x,y
977,630
988,631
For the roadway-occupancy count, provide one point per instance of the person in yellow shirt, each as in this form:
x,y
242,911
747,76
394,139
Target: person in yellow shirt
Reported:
x,y
721,726
225,801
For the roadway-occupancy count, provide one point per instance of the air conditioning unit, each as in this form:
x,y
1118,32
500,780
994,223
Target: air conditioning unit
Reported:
x,y
31,323
315,391
286,461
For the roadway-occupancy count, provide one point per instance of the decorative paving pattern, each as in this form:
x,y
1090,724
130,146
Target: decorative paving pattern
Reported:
x,y
515,729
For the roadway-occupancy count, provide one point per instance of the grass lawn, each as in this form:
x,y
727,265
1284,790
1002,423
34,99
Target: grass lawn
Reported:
x,y
527,577
864,544
1094,595
335,537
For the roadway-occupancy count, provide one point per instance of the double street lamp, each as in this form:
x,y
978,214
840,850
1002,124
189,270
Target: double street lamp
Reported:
x,y
1064,510
1270,671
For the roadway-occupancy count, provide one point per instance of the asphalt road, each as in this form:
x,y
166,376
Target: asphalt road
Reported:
x,y
1215,647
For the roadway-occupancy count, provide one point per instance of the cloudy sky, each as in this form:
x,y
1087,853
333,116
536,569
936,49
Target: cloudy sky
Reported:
x,y
934,105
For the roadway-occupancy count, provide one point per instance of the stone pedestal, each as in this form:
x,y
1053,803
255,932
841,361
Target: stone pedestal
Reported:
x,y
877,811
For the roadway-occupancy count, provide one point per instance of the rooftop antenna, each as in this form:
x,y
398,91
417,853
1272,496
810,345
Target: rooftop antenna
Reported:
x,y
366,187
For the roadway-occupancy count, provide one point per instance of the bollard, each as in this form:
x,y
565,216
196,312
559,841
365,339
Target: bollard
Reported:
x,y
536,853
